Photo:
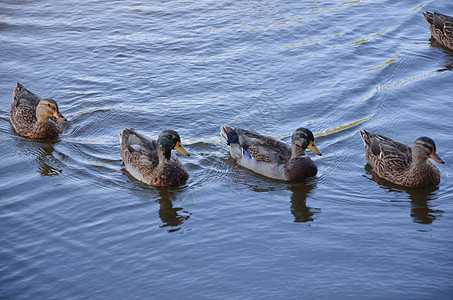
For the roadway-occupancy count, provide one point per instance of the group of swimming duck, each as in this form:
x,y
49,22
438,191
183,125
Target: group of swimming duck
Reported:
x,y
152,162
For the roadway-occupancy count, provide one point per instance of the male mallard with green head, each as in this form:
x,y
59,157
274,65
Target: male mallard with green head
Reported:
x,y
270,157
441,28
151,161
34,117
401,164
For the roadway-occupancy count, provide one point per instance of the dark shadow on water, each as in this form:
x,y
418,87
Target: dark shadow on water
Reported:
x,y
419,198
300,192
420,210
449,63
170,215
169,199
44,152
299,208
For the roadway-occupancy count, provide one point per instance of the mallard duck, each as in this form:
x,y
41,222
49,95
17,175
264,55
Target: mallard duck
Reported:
x,y
270,157
398,163
34,117
441,27
150,161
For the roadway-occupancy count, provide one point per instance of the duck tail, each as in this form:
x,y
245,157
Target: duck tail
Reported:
x,y
124,134
21,92
229,134
131,137
17,92
366,137
428,16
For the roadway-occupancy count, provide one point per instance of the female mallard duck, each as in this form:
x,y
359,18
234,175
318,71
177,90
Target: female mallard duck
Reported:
x,y
398,163
34,117
151,161
441,27
270,157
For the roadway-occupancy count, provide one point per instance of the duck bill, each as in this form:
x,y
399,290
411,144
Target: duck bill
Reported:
x,y
313,148
178,147
59,116
436,157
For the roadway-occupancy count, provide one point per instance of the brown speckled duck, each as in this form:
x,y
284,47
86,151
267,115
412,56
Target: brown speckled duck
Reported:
x,y
401,164
270,157
34,117
441,27
150,161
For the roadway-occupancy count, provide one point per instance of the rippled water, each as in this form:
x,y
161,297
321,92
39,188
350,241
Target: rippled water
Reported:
x,y
74,225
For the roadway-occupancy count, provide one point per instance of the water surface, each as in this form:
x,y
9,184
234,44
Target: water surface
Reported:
x,y
77,226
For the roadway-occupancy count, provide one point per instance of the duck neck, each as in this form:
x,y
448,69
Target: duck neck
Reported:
x,y
419,157
417,160
164,154
297,151
41,117
41,113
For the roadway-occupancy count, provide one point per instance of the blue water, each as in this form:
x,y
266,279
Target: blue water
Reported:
x,y
76,226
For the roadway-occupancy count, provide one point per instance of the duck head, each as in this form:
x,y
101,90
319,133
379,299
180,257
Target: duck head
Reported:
x,y
169,140
302,139
48,108
424,148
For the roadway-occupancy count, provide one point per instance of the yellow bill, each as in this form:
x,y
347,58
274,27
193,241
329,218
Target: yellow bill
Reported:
x,y
313,148
178,147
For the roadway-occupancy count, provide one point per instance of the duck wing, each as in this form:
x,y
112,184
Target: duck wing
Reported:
x,y
138,147
22,96
386,154
442,22
22,112
441,27
261,147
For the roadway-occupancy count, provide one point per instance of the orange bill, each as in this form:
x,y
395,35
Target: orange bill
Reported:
x,y
57,115
436,157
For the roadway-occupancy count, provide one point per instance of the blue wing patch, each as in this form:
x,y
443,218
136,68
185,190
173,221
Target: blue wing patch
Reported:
x,y
244,152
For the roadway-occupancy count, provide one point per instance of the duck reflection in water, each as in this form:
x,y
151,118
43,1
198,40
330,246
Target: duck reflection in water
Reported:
x,y
48,163
420,198
299,208
300,192
448,64
171,216
420,210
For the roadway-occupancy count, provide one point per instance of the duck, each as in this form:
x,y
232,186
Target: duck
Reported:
x,y
34,117
151,161
401,164
441,27
270,157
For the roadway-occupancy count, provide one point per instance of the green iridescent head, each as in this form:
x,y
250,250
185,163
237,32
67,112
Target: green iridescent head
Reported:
x,y
169,140
304,138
